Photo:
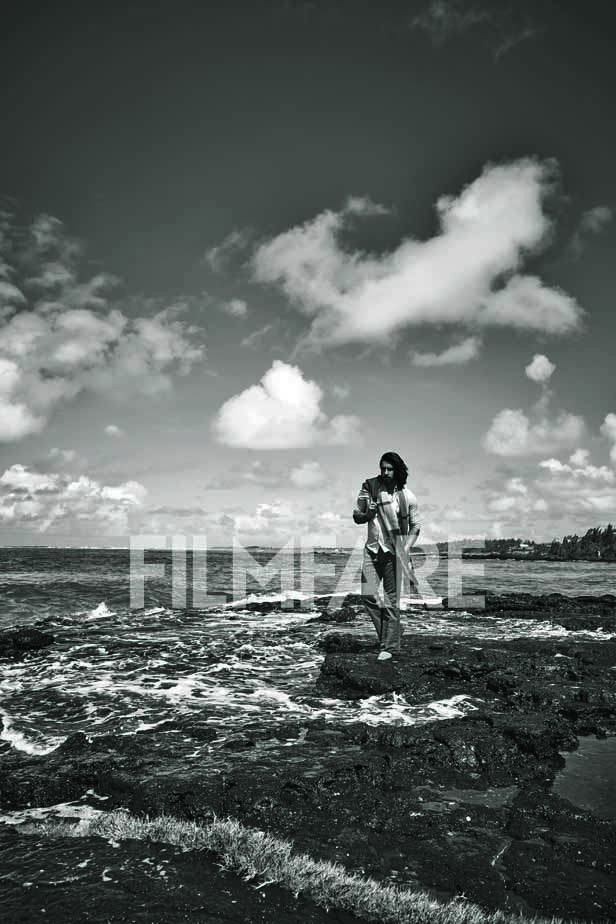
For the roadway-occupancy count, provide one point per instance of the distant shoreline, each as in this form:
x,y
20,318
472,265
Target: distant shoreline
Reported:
x,y
524,557
469,554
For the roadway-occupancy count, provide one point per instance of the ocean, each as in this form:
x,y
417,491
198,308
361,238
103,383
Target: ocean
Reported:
x,y
251,658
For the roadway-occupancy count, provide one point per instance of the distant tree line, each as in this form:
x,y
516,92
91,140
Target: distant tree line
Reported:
x,y
595,544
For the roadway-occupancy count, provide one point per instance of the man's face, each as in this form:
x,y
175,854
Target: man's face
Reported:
x,y
387,474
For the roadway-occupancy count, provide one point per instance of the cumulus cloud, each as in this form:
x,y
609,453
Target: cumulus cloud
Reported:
x,y
265,517
275,523
40,502
608,429
454,355
513,433
516,485
64,335
560,495
540,368
114,430
455,277
307,475
281,522
526,304
282,412
579,466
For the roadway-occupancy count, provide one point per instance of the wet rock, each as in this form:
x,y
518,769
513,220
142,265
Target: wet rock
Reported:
x,y
340,641
74,744
540,740
573,613
14,643
501,681
456,805
340,615
238,742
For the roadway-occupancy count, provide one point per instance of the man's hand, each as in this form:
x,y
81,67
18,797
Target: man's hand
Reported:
x,y
371,510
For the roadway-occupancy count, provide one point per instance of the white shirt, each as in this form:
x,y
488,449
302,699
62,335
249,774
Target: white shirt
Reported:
x,y
378,534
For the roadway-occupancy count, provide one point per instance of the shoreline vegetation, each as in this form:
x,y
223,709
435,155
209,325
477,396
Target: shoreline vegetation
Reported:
x,y
596,544
256,855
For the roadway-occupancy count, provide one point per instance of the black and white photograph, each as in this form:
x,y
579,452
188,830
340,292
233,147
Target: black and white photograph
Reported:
x,y
308,462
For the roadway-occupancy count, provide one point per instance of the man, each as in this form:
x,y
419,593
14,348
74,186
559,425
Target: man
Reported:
x,y
390,510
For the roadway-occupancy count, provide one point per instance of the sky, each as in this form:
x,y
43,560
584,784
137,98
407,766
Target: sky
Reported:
x,y
246,248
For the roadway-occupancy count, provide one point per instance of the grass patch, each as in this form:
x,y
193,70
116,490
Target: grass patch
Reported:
x,y
256,855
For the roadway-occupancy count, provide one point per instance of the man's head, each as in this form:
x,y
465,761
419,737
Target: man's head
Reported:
x,y
393,470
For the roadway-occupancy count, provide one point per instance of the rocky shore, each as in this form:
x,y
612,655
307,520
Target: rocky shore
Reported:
x,y
462,807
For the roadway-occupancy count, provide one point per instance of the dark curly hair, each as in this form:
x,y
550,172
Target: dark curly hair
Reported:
x,y
400,470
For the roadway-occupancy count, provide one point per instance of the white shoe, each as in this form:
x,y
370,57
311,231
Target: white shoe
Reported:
x,y
384,656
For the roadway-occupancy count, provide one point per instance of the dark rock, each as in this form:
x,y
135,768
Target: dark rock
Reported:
x,y
239,743
74,744
573,613
501,681
340,641
457,805
342,615
539,740
14,643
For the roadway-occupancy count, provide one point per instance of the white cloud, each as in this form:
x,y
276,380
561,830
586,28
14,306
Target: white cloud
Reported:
x,y
282,412
17,421
593,221
236,307
562,496
67,336
502,27
40,502
486,233
64,455
253,472
281,522
258,473
219,257
577,488
20,478
443,18
341,392
513,434
525,303
579,467
580,457
114,430
540,368
502,504
307,475
516,486
251,339
455,355
342,430
608,429
508,433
